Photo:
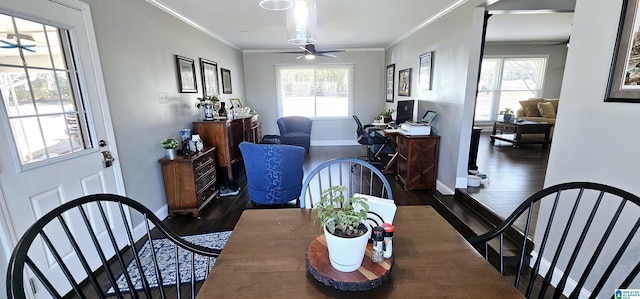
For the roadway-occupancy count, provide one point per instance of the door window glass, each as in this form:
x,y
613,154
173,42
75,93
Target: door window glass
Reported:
x,y
40,91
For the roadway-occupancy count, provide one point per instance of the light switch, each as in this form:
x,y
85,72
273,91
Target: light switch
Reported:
x,y
163,98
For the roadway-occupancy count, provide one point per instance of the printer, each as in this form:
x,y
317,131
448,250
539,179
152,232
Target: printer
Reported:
x,y
411,128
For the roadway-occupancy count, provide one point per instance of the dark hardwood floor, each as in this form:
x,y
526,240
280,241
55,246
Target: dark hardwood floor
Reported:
x,y
514,174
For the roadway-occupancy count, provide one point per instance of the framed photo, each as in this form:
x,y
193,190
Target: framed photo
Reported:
x,y
424,75
235,103
209,72
186,74
391,71
624,76
226,80
404,82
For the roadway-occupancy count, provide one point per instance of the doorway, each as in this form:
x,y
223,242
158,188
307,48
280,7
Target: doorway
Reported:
x,y
513,174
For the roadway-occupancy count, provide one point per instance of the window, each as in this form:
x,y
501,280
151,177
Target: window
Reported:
x,y
506,81
40,91
315,91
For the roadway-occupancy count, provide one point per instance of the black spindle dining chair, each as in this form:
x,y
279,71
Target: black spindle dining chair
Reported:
x,y
586,242
93,247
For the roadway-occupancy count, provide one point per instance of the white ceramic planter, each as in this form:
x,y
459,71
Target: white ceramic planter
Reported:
x,y
346,254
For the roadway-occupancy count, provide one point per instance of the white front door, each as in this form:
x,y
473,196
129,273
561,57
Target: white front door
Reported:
x,y
54,116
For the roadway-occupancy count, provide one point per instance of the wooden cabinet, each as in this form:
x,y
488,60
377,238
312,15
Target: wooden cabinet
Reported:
x,y
225,136
189,182
252,128
418,161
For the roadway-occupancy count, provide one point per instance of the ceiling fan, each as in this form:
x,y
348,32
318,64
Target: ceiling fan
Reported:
x,y
309,52
9,45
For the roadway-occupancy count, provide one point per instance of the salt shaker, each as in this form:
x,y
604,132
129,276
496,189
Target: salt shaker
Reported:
x,y
388,236
378,243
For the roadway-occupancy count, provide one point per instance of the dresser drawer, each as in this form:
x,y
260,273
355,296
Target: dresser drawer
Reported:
x,y
207,160
206,193
205,178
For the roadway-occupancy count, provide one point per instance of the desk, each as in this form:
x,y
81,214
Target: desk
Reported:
x,y
264,258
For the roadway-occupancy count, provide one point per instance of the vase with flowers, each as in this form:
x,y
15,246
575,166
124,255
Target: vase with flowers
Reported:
x,y
209,103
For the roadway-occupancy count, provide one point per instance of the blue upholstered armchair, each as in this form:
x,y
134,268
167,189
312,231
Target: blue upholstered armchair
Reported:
x,y
295,130
274,172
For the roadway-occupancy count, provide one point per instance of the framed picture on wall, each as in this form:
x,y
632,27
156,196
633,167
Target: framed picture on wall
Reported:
x,y
226,80
424,75
209,73
624,76
186,74
404,82
391,71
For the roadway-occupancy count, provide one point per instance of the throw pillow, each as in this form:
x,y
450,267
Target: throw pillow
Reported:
x,y
554,102
530,107
547,110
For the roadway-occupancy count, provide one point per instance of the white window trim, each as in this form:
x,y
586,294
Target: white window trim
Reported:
x,y
350,66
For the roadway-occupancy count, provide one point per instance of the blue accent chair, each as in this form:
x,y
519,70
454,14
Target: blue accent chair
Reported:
x,y
274,172
295,130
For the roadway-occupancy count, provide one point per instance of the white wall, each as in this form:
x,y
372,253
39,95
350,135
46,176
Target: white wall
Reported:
x,y
593,140
455,40
137,43
369,96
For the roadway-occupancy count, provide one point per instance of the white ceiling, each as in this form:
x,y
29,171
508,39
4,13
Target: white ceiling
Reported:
x,y
348,24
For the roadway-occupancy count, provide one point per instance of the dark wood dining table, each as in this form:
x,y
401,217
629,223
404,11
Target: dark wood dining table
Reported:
x,y
265,258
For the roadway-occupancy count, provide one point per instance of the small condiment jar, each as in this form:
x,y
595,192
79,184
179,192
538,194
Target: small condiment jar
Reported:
x,y
388,239
378,245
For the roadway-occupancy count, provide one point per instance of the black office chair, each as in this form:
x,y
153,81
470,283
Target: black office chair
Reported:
x,y
586,240
88,238
377,144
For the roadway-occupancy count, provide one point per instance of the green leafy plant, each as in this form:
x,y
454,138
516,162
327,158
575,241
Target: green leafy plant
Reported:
x,y
378,117
387,113
206,100
169,143
508,111
342,216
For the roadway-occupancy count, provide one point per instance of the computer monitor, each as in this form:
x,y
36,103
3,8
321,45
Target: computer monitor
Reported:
x,y
405,111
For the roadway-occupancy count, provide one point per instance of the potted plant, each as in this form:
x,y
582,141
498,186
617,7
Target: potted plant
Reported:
x,y
170,145
345,226
386,115
209,103
508,114
377,119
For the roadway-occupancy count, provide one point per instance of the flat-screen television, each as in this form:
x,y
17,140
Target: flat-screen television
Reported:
x,y
405,111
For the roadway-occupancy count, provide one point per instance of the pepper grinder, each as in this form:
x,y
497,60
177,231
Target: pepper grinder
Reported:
x,y
378,243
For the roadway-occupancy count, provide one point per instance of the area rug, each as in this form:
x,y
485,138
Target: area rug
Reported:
x,y
165,253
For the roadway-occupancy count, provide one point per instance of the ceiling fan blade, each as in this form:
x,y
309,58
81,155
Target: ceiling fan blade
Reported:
x,y
330,51
326,55
306,49
292,52
299,56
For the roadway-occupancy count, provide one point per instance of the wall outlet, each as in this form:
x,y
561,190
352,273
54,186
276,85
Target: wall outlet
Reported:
x,y
163,98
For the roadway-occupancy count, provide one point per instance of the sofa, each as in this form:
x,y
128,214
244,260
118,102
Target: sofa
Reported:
x,y
538,109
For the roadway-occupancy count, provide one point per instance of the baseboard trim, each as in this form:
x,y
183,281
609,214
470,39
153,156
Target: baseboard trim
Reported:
x,y
443,188
557,274
141,229
333,142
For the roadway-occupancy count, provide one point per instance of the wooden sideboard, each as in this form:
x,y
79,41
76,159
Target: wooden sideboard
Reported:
x,y
417,166
189,182
226,135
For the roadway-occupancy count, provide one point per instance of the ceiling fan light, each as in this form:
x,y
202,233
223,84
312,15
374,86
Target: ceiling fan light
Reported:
x,y
309,56
276,4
